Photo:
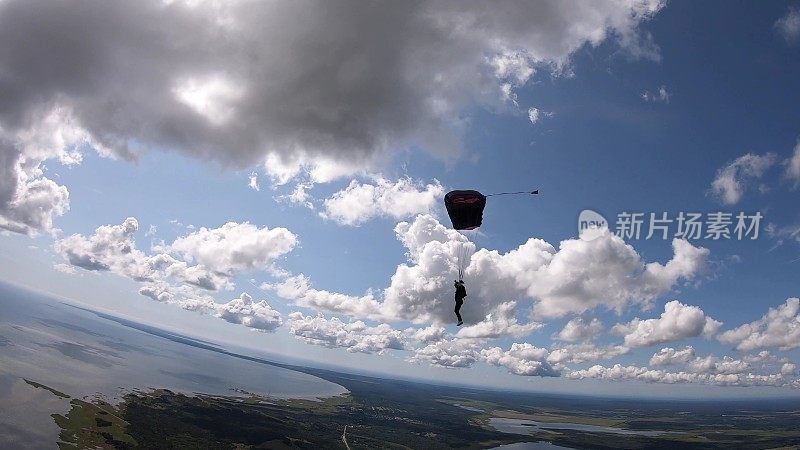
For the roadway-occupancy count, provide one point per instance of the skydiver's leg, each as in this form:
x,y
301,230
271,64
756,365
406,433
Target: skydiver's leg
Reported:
x,y
457,311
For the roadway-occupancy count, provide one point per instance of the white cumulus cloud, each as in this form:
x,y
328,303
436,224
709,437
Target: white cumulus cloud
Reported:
x,y
619,372
714,365
779,328
502,321
111,247
256,315
669,356
169,274
29,200
358,202
606,272
678,321
521,359
579,353
298,289
427,335
453,353
235,247
580,329
354,336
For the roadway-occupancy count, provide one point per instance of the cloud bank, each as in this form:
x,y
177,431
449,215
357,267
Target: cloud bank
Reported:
x,y
504,289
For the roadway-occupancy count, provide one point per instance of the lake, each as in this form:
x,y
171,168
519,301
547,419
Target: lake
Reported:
x,y
521,426
88,354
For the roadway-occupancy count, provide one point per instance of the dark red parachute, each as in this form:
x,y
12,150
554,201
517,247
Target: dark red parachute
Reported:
x,y
465,209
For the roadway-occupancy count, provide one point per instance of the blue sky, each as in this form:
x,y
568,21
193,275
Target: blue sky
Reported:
x,y
642,117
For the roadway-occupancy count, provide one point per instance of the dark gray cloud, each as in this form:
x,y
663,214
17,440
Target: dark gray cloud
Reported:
x,y
331,87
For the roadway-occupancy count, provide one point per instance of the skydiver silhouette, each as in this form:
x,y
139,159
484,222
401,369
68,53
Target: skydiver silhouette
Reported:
x,y
461,292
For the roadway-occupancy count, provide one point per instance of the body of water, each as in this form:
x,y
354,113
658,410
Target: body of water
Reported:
x,y
521,426
85,354
541,445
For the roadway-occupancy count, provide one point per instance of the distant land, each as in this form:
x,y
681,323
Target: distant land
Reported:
x,y
377,412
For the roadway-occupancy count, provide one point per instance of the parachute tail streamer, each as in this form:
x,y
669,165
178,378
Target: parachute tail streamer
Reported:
x,y
533,192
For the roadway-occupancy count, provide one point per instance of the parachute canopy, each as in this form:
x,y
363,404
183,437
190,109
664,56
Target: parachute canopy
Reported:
x,y
465,209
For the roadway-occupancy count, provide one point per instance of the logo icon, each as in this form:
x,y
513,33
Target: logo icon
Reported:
x,y
591,225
